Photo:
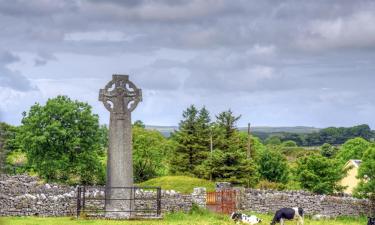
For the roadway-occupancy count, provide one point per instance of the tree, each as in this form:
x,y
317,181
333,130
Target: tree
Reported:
x,y
289,144
227,121
320,174
62,141
353,149
139,123
273,140
8,145
273,166
230,166
151,151
192,140
328,150
366,173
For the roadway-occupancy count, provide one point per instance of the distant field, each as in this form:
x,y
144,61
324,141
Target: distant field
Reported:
x,y
167,130
172,219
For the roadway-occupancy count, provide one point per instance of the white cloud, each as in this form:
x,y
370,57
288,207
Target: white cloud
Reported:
x,y
355,31
102,35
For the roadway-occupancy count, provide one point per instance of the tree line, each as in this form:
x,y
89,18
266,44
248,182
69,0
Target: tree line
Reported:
x,y
62,141
330,135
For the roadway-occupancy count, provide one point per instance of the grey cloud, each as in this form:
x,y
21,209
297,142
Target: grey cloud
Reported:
x,y
268,54
11,79
7,58
14,80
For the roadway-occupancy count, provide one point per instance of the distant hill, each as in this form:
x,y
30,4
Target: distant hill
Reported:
x,y
167,130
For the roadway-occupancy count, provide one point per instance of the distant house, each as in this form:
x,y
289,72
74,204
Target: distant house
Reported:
x,y
351,180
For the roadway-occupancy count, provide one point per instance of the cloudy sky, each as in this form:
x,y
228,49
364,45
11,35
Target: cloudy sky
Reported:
x,y
277,63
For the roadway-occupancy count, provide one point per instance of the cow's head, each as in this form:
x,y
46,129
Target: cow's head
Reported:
x,y
236,216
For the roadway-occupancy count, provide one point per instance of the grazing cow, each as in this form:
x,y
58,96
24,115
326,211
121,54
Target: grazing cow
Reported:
x,y
371,221
240,217
288,214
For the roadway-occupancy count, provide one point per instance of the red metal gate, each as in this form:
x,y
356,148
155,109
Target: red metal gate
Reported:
x,y
223,201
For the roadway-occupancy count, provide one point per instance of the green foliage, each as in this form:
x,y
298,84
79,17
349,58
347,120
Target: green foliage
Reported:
x,y
353,149
7,144
273,140
103,136
183,184
62,141
231,166
320,174
328,150
139,123
366,173
151,151
273,166
289,144
269,185
330,135
16,162
227,121
193,141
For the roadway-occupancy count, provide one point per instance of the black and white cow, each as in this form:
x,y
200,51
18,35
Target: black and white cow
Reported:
x,y
240,217
371,221
288,214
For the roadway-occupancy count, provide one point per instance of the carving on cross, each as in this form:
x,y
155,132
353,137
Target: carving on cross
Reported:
x,y
120,95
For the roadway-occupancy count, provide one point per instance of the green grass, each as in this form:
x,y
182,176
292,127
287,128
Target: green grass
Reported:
x,y
183,184
196,218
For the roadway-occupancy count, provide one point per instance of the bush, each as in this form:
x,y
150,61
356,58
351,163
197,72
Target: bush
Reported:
x,y
273,166
366,173
328,150
319,174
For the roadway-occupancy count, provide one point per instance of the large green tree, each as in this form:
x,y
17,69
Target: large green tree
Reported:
x,y
228,161
353,149
273,166
192,140
366,173
62,141
320,174
151,152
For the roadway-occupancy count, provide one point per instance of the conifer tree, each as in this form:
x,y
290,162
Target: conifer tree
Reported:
x,y
192,141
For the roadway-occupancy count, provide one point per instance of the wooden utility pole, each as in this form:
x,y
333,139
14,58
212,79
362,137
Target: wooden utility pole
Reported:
x,y
249,142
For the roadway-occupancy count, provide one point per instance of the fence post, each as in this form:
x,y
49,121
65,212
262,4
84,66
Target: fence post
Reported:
x,y
78,201
158,199
84,198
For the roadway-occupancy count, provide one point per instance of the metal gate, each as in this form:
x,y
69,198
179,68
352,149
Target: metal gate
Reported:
x,y
147,201
223,201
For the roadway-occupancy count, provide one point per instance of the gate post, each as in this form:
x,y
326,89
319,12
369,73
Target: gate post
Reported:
x,y
158,204
78,201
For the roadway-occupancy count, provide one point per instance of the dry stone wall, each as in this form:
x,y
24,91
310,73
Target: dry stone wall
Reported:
x,y
264,201
23,195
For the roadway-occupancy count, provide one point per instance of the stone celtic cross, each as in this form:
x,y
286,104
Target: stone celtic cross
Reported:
x,y
120,97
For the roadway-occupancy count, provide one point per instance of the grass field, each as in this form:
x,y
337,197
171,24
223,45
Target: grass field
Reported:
x,y
183,184
196,218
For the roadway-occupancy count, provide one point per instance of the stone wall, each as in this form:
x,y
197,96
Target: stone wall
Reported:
x,y
23,195
264,201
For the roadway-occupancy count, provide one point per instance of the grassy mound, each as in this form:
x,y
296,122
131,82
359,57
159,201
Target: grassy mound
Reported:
x,y
183,184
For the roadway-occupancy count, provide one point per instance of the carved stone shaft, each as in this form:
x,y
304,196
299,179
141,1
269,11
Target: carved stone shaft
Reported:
x,y
120,97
